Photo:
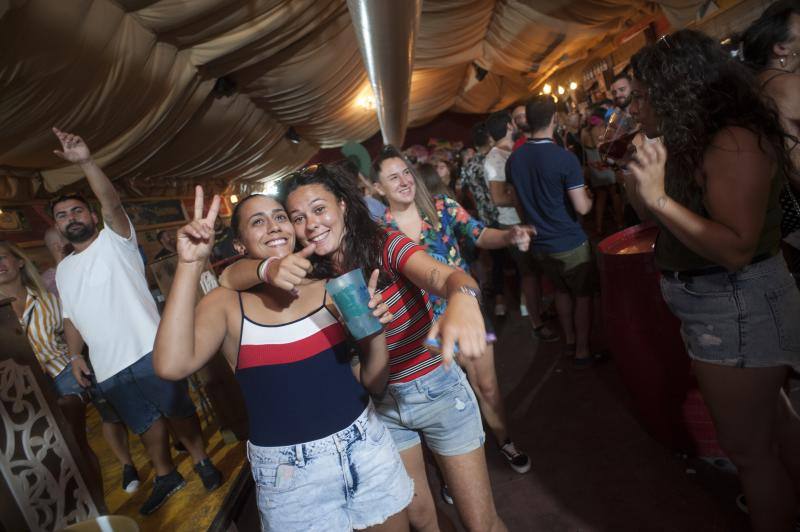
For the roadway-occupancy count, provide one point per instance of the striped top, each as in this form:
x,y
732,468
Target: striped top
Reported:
x,y
296,379
44,326
406,333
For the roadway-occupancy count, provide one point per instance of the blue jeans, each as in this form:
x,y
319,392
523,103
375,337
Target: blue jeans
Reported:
x,y
66,384
440,405
140,396
352,479
747,319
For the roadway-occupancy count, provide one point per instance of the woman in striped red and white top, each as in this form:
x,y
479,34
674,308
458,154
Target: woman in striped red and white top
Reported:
x,y
320,456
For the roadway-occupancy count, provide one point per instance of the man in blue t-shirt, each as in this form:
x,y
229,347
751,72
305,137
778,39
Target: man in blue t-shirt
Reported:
x,y
551,191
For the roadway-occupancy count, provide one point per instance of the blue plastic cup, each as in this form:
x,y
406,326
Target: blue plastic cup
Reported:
x,y
350,294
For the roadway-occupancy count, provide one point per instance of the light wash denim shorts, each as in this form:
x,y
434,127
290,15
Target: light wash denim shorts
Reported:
x,y
352,479
746,319
440,405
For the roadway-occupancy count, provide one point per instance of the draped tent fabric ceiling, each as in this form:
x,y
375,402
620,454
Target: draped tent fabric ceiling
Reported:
x,y
137,78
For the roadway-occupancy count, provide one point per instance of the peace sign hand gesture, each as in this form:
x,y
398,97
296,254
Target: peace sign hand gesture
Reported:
x,y
74,149
196,239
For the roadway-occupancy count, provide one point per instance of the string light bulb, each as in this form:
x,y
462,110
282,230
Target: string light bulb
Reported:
x,y
547,89
573,85
234,198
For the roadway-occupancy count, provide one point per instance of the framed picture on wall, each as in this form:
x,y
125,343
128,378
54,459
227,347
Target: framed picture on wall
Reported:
x,y
154,213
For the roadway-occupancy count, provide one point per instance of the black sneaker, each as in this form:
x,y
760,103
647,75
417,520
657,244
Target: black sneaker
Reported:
x,y
163,488
518,461
130,478
210,475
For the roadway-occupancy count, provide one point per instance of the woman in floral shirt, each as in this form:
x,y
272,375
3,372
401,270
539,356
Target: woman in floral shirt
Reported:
x,y
444,228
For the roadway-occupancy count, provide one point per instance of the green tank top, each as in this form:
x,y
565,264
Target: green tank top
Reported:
x,y
672,254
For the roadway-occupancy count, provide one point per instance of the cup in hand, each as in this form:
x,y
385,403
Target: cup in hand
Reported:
x,y
350,294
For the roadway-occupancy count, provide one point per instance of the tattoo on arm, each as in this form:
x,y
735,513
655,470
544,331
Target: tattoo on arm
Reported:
x,y
433,277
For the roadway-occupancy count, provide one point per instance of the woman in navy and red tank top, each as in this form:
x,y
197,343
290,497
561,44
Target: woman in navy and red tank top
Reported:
x,y
320,457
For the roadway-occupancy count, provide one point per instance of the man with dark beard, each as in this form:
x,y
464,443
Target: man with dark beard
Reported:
x,y
106,301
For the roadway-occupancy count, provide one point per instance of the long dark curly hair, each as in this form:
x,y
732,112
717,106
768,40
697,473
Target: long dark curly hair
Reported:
x,y
363,239
696,89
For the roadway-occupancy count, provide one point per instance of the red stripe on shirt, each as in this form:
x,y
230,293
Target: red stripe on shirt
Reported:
x,y
251,356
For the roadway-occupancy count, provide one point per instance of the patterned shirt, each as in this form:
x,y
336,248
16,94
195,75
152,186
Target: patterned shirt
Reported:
x,y
44,326
406,333
473,177
458,231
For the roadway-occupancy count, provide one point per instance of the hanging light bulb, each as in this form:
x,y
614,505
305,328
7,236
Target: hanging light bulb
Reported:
x,y
561,89
547,89
573,85
234,198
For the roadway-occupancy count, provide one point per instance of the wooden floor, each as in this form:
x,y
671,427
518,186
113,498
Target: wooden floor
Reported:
x,y
192,508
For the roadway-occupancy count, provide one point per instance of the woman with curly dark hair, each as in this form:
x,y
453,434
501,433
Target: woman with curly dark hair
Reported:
x,y
712,183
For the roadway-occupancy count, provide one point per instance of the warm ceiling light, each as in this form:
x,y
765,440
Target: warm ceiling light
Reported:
x,y
547,89
573,85
234,198
561,89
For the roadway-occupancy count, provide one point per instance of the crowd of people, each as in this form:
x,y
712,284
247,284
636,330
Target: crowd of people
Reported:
x,y
695,140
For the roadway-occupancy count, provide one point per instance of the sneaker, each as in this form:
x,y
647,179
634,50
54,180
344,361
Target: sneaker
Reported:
x,y
130,478
210,475
499,310
518,461
163,488
445,493
545,334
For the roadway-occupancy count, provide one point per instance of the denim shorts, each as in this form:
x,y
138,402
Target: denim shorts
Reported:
x,y
439,405
140,396
746,319
352,479
66,384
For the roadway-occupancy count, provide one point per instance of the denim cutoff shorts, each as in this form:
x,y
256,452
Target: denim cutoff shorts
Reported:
x,y
746,319
440,405
140,396
352,479
66,384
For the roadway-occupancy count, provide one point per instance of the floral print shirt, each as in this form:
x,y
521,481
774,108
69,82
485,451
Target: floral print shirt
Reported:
x,y
473,179
458,231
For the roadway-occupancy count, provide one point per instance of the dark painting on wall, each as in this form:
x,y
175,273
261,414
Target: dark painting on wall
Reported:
x,y
148,214
24,223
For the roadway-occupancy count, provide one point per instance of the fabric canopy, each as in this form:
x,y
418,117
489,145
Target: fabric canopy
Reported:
x,y
140,80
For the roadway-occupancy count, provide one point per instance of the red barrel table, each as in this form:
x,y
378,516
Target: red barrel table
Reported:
x,y
644,339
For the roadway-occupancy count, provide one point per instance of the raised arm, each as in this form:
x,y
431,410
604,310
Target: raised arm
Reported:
x,y
285,273
738,177
187,338
75,150
462,322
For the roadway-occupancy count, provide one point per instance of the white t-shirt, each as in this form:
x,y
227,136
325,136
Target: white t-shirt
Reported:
x,y
495,169
104,293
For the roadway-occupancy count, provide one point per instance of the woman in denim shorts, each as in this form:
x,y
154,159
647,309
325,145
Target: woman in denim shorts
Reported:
x,y
424,397
320,457
712,184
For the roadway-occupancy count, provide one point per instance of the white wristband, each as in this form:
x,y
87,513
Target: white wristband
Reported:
x,y
262,269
